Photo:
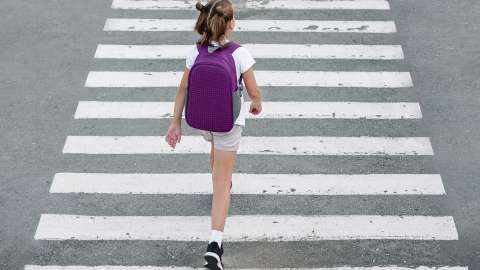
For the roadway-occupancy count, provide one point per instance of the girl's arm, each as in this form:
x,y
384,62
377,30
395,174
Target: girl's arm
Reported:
x,y
251,84
180,98
174,133
253,91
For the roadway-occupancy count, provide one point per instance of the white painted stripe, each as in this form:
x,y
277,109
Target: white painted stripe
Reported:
x,y
275,184
246,228
252,145
315,4
269,51
375,79
154,4
255,4
133,24
120,267
275,110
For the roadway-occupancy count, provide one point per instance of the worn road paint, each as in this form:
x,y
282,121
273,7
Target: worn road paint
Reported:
x,y
373,79
256,184
304,26
268,51
350,146
315,4
121,267
271,110
254,4
246,228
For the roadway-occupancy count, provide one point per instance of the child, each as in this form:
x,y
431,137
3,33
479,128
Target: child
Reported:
x,y
214,24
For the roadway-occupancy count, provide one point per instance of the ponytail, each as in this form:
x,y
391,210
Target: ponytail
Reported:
x,y
213,20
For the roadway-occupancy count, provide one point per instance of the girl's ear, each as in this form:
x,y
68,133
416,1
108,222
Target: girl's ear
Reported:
x,y
231,25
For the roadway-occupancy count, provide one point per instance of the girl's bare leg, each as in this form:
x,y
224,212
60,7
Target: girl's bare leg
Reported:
x,y
223,163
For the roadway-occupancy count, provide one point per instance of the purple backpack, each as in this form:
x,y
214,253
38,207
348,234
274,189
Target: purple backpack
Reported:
x,y
213,96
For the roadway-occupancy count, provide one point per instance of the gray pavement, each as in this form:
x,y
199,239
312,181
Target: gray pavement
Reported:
x,y
47,51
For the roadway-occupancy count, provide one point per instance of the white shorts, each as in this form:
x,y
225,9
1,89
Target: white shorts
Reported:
x,y
225,141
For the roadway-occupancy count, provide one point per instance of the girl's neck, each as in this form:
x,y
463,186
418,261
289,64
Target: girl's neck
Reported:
x,y
218,43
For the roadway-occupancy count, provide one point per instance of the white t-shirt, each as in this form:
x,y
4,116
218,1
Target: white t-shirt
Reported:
x,y
243,62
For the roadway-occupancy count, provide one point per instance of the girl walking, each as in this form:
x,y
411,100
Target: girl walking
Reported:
x,y
215,23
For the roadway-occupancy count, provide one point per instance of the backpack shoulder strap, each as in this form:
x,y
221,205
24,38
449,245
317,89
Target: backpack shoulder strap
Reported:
x,y
202,49
232,46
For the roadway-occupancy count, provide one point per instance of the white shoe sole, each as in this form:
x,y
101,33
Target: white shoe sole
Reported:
x,y
213,261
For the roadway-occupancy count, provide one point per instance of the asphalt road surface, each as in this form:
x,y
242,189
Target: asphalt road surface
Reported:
x,y
366,155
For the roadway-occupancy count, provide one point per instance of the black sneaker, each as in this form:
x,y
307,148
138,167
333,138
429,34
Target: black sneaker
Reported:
x,y
213,256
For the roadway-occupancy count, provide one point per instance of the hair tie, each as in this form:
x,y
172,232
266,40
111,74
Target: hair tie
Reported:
x,y
212,7
200,7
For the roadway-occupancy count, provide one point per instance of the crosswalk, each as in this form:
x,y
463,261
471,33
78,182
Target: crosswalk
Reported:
x,y
268,51
292,145
362,79
114,267
300,26
272,228
276,184
273,110
271,4
245,228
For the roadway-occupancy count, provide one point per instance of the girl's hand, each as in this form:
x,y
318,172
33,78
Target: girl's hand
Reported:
x,y
255,107
174,134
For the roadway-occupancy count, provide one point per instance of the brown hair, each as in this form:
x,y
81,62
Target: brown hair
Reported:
x,y
212,21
